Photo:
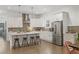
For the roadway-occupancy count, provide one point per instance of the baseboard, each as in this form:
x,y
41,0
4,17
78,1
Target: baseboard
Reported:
x,y
46,41
50,42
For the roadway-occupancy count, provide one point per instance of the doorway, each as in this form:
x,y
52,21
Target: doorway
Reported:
x,y
3,30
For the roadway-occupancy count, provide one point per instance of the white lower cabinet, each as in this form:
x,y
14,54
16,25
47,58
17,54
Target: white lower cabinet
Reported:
x,y
70,37
47,36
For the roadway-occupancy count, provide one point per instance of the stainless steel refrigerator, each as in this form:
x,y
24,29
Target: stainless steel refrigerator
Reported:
x,y
57,32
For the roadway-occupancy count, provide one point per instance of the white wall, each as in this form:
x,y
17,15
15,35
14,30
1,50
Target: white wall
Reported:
x,y
73,15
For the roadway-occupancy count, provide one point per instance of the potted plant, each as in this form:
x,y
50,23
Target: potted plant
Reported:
x,y
78,37
77,41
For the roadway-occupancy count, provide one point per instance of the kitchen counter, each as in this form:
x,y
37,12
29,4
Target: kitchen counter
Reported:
x,y
47,36
20,35
70,37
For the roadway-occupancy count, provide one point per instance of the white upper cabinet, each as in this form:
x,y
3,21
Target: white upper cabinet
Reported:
x,y
36,22
14,22
12,19
47,19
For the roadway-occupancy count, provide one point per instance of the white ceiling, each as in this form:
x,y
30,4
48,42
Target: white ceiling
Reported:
x,y
33,9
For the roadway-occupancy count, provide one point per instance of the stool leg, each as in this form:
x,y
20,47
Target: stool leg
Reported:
x,y
14,44
30,42
22,43
39,41
18,44
34,41
25,43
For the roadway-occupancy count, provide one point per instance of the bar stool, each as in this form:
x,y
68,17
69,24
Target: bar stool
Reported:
x,y
25,42
32,40
38,41
16,43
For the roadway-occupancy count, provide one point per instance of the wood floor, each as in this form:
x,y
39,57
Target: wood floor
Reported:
x,y
43,48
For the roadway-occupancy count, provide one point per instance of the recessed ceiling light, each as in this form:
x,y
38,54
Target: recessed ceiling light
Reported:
x,y
9,7
1,11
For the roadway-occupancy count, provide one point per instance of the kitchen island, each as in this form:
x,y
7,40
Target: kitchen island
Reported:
x,y
20,35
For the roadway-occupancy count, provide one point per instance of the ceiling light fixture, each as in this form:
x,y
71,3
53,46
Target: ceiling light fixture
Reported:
x,y
32,9
19,10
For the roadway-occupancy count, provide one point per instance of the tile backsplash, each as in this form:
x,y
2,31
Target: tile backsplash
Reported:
x,y
73,29
15,29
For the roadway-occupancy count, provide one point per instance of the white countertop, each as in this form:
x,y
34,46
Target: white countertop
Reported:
x,y
70,37
22,33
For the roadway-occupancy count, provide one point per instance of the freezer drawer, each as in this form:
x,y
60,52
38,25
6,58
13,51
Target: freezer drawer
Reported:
x,y
59,40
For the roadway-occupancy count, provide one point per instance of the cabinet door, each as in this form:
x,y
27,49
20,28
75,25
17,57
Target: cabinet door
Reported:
x,y
36,22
